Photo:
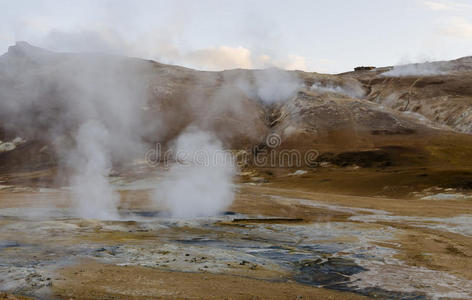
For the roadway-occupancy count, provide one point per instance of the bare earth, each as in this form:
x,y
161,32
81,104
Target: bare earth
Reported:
x,y
281,241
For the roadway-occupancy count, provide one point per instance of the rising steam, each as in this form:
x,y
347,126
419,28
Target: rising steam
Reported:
x,y
95,112
200,183
270,86
423,69
92,193
350,89
87,107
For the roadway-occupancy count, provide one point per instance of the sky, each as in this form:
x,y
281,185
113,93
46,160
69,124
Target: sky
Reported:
x,y
329,36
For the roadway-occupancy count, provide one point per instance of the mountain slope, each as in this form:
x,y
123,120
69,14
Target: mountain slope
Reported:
x,y
45,97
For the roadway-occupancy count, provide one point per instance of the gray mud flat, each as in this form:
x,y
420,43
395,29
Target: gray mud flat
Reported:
x,y
335,255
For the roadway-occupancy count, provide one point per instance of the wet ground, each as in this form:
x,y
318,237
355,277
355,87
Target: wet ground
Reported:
x,y
297,242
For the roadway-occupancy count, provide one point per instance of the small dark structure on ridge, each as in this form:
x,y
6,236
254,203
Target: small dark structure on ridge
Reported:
x,y
363,68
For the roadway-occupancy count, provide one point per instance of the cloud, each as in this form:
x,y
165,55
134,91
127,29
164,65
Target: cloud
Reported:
x,y
226,57
98,40
296,62
445,5
162,47
457,27
291,62
218,58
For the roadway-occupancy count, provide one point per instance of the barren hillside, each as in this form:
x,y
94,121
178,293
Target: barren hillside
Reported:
x,y
396,119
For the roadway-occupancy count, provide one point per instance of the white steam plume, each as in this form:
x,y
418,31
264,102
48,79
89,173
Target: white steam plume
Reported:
x,y
423,69
93,195
271,85
352,90
200,184
275,85
88,107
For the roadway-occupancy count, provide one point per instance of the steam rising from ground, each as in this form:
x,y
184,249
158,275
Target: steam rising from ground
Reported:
x,y
275,85
86,107
200,183
271,85
423,69
352,90
93,112
93,195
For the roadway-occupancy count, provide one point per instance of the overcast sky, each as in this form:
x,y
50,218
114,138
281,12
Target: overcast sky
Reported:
x,y
323,36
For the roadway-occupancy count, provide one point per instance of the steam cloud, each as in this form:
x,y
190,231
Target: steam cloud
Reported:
x,y
200,184
423,69
93,110
271,85
351,90
88,107
93,195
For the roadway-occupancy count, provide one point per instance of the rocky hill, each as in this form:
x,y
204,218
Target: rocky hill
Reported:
x,y
408,115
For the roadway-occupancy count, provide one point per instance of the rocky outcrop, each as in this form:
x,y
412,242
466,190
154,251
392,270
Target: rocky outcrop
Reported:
x,y
437,93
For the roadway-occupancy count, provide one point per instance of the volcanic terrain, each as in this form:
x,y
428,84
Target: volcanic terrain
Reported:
x,y
344,186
